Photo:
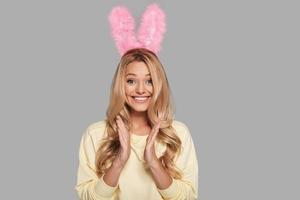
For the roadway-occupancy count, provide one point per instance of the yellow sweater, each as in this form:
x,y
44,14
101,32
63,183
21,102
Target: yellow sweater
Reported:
x,y
135,182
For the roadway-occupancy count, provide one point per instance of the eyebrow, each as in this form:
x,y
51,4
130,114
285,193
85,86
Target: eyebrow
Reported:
x,y
135,74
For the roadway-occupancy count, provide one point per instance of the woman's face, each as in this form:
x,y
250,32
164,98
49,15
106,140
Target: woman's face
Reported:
x,y
138,86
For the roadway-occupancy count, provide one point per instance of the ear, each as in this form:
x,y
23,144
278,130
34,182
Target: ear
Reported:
x,y
122,29
152,28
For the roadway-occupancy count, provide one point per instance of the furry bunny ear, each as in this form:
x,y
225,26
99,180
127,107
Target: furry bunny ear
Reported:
x,y
152,28
122,29
150,33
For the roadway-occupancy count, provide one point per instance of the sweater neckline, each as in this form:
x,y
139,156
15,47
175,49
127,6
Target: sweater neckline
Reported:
x,y
135,135
138,138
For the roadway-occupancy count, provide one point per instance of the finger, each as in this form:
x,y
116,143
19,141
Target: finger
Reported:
x,y
122,123
120,133
123,129
154,132
122,126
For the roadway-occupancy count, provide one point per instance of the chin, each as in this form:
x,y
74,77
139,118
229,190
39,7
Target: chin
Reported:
x,y
138,108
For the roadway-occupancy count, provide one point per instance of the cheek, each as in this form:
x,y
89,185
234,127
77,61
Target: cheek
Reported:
x,y
150,89
128,90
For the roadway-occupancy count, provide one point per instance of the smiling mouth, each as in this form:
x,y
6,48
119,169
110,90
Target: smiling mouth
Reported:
x,y
140,99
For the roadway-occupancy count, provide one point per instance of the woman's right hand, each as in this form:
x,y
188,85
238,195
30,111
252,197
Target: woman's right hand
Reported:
x,y
124,137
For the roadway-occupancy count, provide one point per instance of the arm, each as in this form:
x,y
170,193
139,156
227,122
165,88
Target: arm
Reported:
x,y
187,187
89,186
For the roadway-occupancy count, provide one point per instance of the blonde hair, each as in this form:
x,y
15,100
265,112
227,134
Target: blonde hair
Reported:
x,y
160,106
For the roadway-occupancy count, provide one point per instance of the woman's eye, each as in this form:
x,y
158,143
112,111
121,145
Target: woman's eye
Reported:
x,y
130,81
149,82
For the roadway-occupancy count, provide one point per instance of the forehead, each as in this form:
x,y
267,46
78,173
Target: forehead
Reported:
x,y
137,69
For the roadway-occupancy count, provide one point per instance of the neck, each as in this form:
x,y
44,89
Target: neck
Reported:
x,y
139,119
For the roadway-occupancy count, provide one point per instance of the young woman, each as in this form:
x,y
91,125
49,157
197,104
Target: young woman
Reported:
x,y
139,151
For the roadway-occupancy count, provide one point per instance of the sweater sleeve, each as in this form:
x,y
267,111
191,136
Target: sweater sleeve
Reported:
x,y
187,187
89,186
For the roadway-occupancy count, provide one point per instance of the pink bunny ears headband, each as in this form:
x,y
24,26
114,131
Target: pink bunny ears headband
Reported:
x,y
150,34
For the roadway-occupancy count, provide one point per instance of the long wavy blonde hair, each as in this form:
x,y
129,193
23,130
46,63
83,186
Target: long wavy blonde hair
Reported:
x,y
160,106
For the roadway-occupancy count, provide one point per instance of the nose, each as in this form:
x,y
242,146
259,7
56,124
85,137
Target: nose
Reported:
x,y
140,88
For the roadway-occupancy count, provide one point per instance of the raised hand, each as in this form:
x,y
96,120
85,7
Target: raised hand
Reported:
x,y
124,137
149,152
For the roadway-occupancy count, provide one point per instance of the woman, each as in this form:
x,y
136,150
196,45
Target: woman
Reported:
x,y
139,151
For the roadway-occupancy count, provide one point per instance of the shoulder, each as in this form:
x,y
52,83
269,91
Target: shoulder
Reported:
x,y
96,126
182,130
179,124
95,131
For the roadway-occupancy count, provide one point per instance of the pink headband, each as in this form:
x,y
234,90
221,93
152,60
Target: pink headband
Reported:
x,y
150,34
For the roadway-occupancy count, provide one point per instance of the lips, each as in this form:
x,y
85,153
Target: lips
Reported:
x,y
140,99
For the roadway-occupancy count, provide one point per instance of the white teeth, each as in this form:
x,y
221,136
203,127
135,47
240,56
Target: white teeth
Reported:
x,y
140,98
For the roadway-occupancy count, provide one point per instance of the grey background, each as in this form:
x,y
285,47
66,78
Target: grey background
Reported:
x,y
233,67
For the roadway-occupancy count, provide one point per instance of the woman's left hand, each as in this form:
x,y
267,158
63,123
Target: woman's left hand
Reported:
x,y
149,152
